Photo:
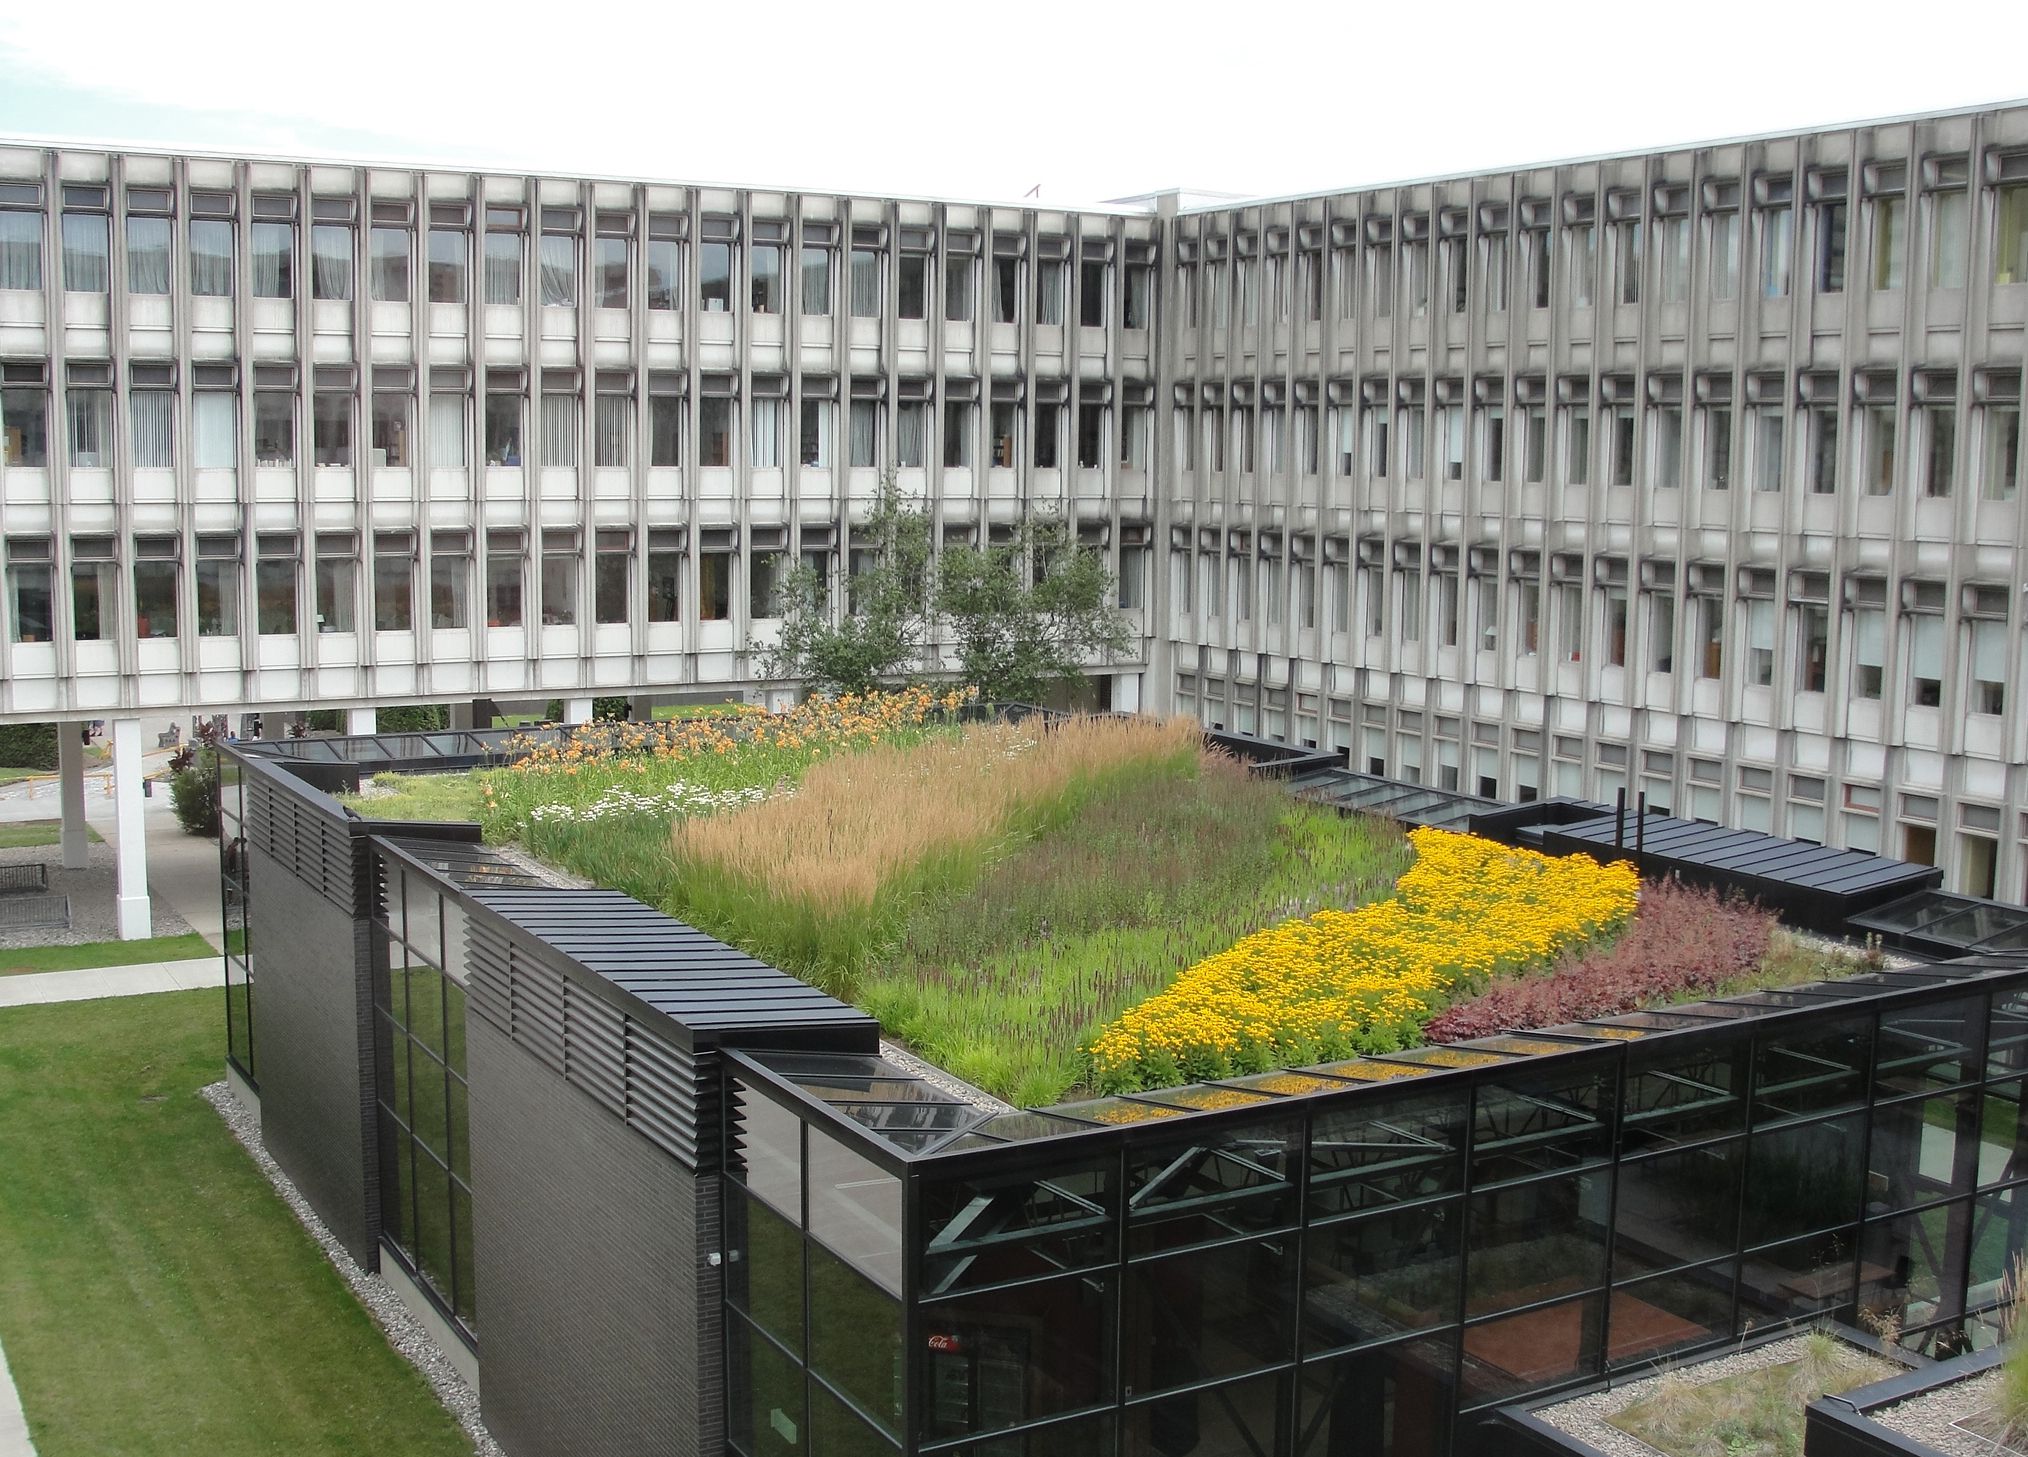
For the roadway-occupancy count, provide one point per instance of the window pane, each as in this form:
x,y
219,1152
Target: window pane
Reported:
x,y
609,586
28,592
662,282
210,258
1802,1178
275,587
393,589
559,588
330,262
274,260
450,590
147,255
447,266
24,426
447,431
337,594
1528,1242
391,265
86,268
609,272
503,268
1381,1274
213,423
1036,1350
331,428
1392,1402
152,415
503,429
665,423
21,251
816,281
90,414
274,428
855,1334
155,598
766,263
390,430
714,277
558,268
503,590
1677,1209
764,1272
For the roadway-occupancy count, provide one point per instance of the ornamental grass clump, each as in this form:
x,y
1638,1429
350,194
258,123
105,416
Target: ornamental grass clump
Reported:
x,y
1339,983
817,881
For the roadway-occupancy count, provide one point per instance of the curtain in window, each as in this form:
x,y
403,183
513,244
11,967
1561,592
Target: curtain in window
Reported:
x,y
390,250
213,438
503,268
84,253
559,430
865,424
1926,645
767,433
20,250
273,245
865,284
911,434
1870,646
331,263
211,259
612,423
147,255
447,431
1049,294
90,415
559,270
153,414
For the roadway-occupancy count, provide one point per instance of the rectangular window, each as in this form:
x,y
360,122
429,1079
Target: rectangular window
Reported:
x,y
503,428
1925,659
1306,436
1623,445
94,599
865,281
147,255
1242,438
1048,436
1535,449
446,266
766,433
275,595
1724,255
1661,632
1378,418
274,260
1049,293
1708,622
958,276
1823,451
665,430
450,586
1769,425
714,431
503,268
29,589
560,563
1990,651
562,417
1880,433
1090,436
2000,475
556,270
1777,232
89,415
447,430
609,273
330,262
2010,238
714,277
274,428
1940,448
714,585
1213,420
1616,627
817,282
1627,240
1091,295
911,286
664,584
1667,421
1006,429
390,255
1673,246
1581,250
763,572
611,566
864,428
1869,652
1006,290
1831,247
210,258
766,262
503,581
1451,421
393,590
337,593
155,598
958,434
1493,265
21,251
1538,262
1948,239
86,259
814,433
1760,642
663,274
612,429
214,430
1890,241
1813,643
152,415
331,428
1139,306
1577,444
218,590
390,428
1380,280
24,426
1415,261
1414,441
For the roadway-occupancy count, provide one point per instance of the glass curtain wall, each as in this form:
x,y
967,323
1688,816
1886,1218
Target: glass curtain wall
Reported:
x,y
1324,1276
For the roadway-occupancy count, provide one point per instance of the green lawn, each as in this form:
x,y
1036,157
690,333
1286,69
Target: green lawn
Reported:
x,y
155,1295
27,834
187,947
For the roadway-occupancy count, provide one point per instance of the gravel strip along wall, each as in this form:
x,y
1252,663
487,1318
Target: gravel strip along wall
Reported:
x,y
404,1332
1931,1417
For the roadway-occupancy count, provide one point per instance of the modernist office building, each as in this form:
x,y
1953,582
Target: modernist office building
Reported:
x,y
1695,473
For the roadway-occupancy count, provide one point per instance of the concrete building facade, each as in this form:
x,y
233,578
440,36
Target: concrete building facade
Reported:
x,y
1694,473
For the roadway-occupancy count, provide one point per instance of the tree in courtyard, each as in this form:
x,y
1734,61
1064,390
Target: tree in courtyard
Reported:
x,y
1022,616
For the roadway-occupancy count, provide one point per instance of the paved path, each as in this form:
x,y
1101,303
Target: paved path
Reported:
x,y
32,988
13,1421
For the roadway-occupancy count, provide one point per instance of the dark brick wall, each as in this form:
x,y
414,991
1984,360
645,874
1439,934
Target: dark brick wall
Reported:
x,y
597,1327
313,1032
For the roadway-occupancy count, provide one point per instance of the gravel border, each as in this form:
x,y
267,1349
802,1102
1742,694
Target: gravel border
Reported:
x,y
1933,1416
1585,1417
404,1332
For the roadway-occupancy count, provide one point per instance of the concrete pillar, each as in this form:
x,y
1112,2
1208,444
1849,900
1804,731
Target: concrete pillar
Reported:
x,y
70,776
462,716
577,710
362,720
130,881
1126,692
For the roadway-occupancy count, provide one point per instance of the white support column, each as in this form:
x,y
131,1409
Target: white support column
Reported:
x,y
130,884
1127,692
577,710
70,777
362,720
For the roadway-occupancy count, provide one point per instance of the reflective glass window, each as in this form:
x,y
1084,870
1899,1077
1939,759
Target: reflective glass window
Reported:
x,y
1914,1153
1015,1355
1392,1401
1218,1185
1531,1242
1797,1279
1386,1152
994,1229
1677,1209
1239,1419
764,1268
1811,1070
1674,1098
1928,1047
855,1336
1671,1312
1202,1314
855,1208
1530,1349
1535,1125
1381,1275
765,1411
1801,1178
765,1150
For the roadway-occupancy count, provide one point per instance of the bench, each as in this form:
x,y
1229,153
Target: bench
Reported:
x,y
31,878
26,912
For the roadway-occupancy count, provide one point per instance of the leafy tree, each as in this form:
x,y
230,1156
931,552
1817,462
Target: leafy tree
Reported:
x,y
1022,615
879,640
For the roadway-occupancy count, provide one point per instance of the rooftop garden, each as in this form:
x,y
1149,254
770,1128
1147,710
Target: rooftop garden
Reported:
x,y
1100,905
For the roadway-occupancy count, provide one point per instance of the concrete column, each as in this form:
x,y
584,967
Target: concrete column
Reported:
x,y
577,710
462,716
362,720
70,776
1127,692
130,882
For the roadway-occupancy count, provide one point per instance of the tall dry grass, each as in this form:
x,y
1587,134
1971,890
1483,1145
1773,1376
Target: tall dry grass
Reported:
x,y
814,881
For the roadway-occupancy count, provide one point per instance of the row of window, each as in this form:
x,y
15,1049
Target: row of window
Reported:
x,y
515,592
919,430
1652,254
1816,445
726,271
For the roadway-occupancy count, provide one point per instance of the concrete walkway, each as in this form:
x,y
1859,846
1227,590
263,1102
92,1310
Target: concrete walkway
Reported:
x,y
91,983
13,1421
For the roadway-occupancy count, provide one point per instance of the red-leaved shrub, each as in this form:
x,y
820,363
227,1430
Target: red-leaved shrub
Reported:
x,y
1682,941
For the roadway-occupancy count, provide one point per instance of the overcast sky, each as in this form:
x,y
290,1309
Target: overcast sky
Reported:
x,y
1086,100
